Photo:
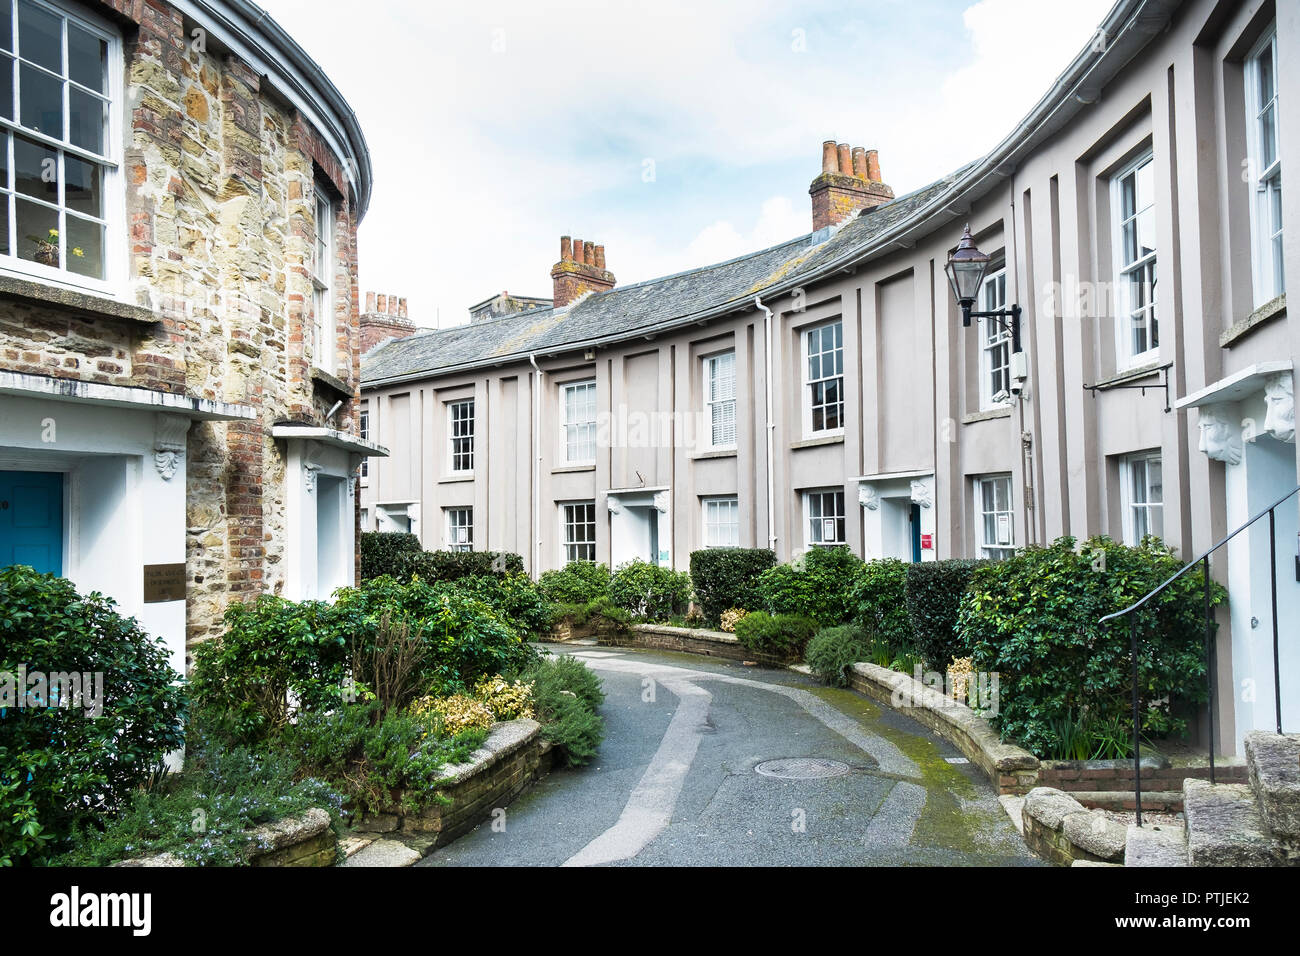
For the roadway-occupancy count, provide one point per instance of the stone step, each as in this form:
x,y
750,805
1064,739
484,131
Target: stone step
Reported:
x,y
383,853
1224,825
1155,846
1274,762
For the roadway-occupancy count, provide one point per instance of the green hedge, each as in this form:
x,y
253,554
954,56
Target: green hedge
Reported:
x,y
934,592
578,582
380,551
65,766
728,577
817,585
879,600
648,591
1033,619
454,565
779,635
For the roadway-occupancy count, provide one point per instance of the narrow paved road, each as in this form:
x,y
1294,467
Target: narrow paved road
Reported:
x,y
676,780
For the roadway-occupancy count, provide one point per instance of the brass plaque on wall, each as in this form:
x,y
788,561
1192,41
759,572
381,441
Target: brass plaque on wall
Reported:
x,y
164,582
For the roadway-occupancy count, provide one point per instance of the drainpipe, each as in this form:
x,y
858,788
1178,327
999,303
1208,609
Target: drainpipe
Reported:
x,y
537,466
771,425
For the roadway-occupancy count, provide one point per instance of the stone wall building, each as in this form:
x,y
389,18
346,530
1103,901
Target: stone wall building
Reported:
x,y
179,334
825,391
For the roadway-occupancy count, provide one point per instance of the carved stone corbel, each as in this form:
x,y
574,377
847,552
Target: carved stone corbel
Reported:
x,y
1220,435
922,493
661,502
1279,397
169,443
868,497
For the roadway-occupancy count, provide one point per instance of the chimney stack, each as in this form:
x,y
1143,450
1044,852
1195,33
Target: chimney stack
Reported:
x,y
581,269
849,182
385,318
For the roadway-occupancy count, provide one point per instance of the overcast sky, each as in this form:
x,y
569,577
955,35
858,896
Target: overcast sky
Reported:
x,y
677,133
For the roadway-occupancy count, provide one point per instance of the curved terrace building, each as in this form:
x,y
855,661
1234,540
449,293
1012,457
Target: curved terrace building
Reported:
x,y
179,335
824,391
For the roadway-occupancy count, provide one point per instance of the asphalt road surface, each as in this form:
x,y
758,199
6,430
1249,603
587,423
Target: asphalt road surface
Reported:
x,y
683,779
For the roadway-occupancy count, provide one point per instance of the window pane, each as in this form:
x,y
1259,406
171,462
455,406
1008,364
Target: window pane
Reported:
x,y
38,228
4,226
42,102
6,25
1268,137
40,36
82,187
87,238
6,84
87,55
37,170
86,121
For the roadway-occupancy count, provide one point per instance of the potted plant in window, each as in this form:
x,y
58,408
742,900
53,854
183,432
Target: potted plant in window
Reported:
x,y
47,249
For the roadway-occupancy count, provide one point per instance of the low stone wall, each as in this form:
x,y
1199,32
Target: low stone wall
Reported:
x,y
688,640
1010,769
1159,776
303,840
1061,830
513,756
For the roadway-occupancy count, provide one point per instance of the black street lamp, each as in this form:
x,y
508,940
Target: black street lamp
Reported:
x,y
966,268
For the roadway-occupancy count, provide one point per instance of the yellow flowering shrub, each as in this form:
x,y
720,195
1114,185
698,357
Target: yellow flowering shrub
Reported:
x,y
459,712
508,701
731,618
960,672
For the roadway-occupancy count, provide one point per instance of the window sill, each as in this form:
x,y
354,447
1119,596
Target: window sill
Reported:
x,y
987,415
836,439
570,469
1272,309
335,384
714,453
456,478
84,303
1131,374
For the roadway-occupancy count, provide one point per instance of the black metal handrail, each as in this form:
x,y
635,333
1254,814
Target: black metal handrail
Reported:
x,y
1204,560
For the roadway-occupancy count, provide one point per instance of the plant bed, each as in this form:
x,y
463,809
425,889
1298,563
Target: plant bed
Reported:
x,y
513,756
689,640
303,840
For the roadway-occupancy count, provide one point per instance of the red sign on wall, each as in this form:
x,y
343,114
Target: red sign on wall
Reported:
x,y
927,542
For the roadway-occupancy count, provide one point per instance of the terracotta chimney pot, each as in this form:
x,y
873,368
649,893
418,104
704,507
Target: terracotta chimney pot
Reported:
x,y
830,157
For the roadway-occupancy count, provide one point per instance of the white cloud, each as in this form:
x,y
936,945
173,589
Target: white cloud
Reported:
x,y
778,221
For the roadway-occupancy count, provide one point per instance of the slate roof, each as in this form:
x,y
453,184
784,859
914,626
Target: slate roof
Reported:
x,y
624,311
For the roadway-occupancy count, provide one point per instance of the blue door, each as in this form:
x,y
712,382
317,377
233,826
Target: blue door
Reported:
x,y
916,533
31,520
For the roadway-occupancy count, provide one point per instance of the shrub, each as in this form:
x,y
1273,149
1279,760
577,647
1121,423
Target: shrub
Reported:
x,y
514,598
817,586
1034,619
373,758
780,635
602,612
879,600
730,618
568,698
934,593
435,566
458,712
234,789
271,648
381,551
833,649
578,582
466,637
726,578
648,591
508,700
63,765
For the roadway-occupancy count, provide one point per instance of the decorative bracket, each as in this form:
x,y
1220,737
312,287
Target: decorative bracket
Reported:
x,y
922,493
1279,397
1163,370
868,497
1220,435
169,443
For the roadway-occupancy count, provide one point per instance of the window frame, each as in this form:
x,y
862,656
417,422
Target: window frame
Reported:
x,y
363,429
1125,357
712,405
805,338
997,551
451,526
1001,340
1268,275
111,162
453,438
1128,500
322,278
839,517
568,545
566,425
711,503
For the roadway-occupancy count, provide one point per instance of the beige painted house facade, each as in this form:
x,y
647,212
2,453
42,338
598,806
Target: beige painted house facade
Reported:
x,y
825,391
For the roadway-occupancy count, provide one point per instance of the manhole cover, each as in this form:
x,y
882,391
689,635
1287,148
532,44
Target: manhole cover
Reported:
x,y
802,768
